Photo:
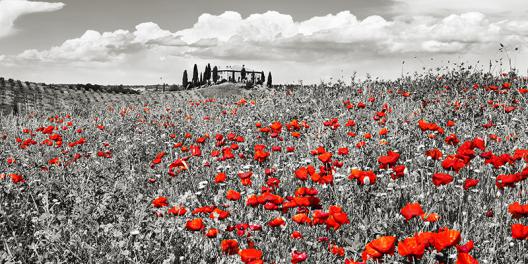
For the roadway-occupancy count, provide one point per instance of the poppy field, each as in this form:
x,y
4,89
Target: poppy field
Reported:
x,y
426,169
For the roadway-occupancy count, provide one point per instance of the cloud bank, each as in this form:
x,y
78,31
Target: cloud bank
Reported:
x,y
272,38
503,8
10,10
275,36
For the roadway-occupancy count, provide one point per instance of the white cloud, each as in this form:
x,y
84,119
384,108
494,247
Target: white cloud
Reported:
x,y
10,10
107,46
273,38
272,35
503,8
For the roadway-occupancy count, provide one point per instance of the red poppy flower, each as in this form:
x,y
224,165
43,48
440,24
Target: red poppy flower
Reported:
x,y
250,255
296,235
465,258
233,195
398,171
517,210
16,178
159,156
296,134
276,222
273,182
212,233
195,224
519,231
177,211
446,238
425,126
301,219
10,160
220,177
509,180
337,250
411,210
325,157
336,218
342,151
350,123
411,247
160,202
452,140
469,183
298,256
466,248
389,160
442,179
379,247
260,153
276,149
435,154
363,177
301,174
229,246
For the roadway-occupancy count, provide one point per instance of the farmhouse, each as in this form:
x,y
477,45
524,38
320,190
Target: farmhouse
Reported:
x,y
235,74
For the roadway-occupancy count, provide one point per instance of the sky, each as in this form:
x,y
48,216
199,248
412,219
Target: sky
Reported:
x,y
148,42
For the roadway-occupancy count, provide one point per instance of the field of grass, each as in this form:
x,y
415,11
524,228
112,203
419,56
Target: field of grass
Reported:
x,y
426,169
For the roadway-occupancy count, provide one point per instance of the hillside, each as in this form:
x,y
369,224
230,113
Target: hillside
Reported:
x,y
223,90
22,97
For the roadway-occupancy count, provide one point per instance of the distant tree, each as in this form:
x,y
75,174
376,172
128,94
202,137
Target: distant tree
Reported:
x,y
195,75
263,77
253,77
2,82
207,73
233,76
201,78
270,80
243,73
215,74
185,80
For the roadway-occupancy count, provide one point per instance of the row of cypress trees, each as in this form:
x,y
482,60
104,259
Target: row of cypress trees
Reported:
x,y
201,78
209,75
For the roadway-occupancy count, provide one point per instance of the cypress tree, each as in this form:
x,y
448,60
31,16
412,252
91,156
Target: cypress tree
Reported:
x,y
262,77
215,74
185,80
201,78
205,74
195,76
208,73
270,80
243,73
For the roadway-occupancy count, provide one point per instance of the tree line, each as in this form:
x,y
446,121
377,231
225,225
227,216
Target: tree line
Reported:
x,y
210,76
